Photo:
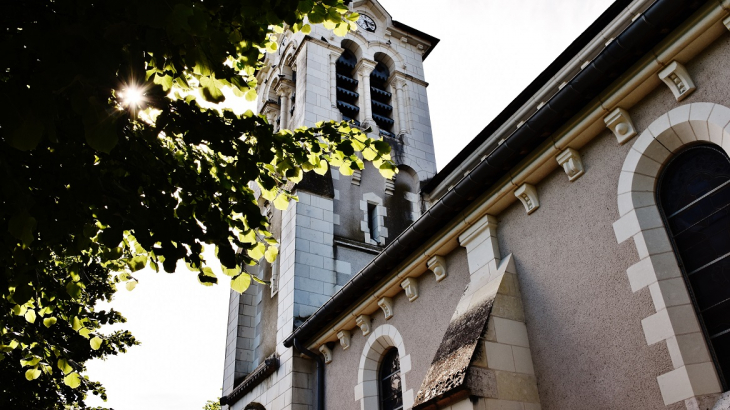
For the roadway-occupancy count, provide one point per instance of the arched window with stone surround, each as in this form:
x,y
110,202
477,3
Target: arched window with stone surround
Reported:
x,y
390,389
693,194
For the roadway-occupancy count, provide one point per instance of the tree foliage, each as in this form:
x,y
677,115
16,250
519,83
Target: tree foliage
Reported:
x,y
96,187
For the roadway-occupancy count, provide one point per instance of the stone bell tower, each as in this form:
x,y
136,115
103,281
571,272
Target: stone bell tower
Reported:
x,y
373,77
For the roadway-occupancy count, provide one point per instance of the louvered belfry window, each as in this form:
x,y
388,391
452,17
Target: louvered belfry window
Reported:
x,y
391,395
694,198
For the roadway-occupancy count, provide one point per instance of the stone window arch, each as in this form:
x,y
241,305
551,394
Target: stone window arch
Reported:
x,y
381,340
694,378
693,195
390,392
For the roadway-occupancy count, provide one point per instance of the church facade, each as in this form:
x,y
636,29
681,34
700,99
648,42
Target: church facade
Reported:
x,y
572,256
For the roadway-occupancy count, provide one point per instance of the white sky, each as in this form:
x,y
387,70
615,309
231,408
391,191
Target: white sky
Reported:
x,y
489,52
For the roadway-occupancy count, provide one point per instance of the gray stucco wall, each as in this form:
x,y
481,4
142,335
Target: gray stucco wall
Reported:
x,y
421,323
584,323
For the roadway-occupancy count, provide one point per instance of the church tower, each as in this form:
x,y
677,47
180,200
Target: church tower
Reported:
x,y
373,77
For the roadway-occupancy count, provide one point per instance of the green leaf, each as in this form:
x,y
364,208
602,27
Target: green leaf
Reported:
x,y
64,366
32,362
271,254
257,252
282,202
210,90
95,342
30,316
241,282
207,277
85,332
49,321
165,81
137,263
306,29
131,285
353,17
32,374
74,290
342,29
72,380
369,154
250,94
75,323
27,136
21,225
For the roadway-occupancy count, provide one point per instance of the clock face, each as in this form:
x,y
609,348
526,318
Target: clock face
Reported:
x,y
366,23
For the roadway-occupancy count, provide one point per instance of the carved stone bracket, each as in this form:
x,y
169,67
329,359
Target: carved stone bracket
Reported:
x,y
619,122
528,195
437,265
389,187
344,336
676,77
386,304
356,177
570,160
327,353
726,22
363,321
410,285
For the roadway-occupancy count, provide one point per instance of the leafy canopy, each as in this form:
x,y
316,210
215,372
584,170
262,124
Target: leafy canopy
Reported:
x,y
109,164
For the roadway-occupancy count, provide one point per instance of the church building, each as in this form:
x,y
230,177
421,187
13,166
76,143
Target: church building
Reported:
x,y
574,255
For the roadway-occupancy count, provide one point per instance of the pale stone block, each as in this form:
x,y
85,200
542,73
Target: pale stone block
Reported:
x,y
370,403
511,332
641,274
679,118
523,360
684,319
462,405
358,391
499,356
688,381
657,327
370,388
405,364
625,203
653,242
649,217
408,399
626,227
669,292
532,406
659,125
508,307
698,116
718,120
669,140
689,348
517,387
496,404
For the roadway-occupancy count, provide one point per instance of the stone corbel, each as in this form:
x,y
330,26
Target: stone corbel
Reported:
x,y
437,265
386,304
726,22
356,177
363,321
619,122
410,285
570,160
676,77
389,187
528,195
344,336
327,353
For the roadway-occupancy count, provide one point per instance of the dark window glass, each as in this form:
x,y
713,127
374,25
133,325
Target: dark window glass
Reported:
x,y
694,198
391,397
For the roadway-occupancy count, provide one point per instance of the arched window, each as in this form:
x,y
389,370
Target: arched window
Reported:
x,y
694,198
391,395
